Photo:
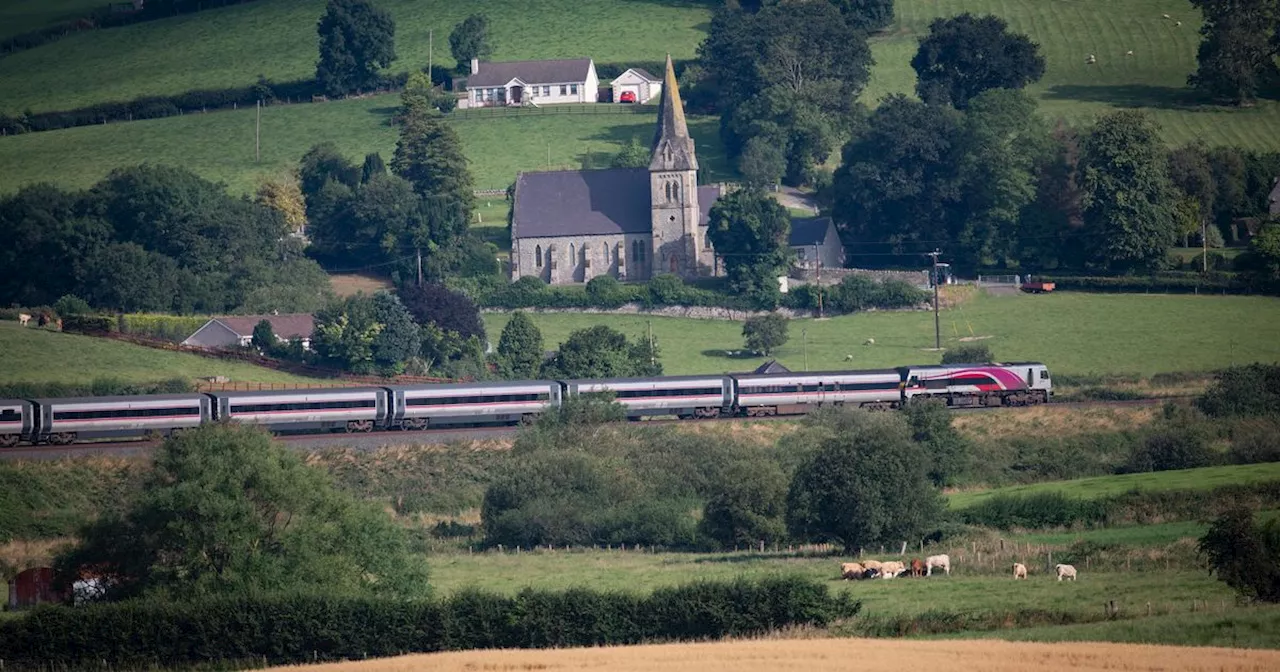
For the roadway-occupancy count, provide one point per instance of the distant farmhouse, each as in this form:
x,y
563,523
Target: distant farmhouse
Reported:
x,y
569,226
534,83
232,332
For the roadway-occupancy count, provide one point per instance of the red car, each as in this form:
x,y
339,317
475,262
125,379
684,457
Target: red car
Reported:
x,y
627,97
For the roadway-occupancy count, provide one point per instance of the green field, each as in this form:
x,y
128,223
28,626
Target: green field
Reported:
x,y
232,46
1143,334
1225,625
37,355
20,16
1205,478
219,145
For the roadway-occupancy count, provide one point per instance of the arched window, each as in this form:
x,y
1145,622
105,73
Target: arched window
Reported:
x,y
675,191
538,253
573,260
604,252
667,187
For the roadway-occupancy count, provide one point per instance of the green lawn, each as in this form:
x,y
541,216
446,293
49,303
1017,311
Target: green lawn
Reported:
x,y
20,16
1071,332
38,355
219,145
1226,626
1158,534
1100,486
231,46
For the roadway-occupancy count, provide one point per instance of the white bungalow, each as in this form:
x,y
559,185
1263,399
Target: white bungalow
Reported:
x,y
532,83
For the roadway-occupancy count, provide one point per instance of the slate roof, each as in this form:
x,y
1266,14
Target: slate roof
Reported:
x,y
809,231
582,203
531,72
645,74
707,197
771,366
297,325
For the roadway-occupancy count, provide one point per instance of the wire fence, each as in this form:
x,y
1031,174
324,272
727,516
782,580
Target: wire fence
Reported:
x,y
581,109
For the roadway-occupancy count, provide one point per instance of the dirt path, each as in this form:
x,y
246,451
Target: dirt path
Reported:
x,y
836,654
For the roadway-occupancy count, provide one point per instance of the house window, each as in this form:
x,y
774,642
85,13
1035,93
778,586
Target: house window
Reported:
x,y
564,90
546,90
538,253
573,89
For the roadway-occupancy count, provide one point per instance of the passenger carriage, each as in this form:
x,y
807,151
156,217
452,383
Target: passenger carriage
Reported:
x,y
797,393
1011,384
63,421
681,396
354,409
419,407
17,420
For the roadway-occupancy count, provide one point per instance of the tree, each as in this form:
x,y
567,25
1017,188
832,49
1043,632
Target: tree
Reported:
x,y
322,163
965,55
70,304
765,333
865,483
867,15
345,332
520,347
605,291
601,352
968,353
747,505
1237,48
1128,198
1243,554
750,230
264,336
356,39
284,195
226,510
1191,172
945,447
634,154
1252,390
1260,263
762,162
446,308
420,96
429,155
399,339
373,167
470,39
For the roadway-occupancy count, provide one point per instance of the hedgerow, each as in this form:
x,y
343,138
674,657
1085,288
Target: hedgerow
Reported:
x,y
290,629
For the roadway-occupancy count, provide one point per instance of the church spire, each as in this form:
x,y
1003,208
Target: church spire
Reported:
x,y
672,146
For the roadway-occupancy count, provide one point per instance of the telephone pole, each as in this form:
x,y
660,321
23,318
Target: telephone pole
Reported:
x,y
431,44
937,324
257,135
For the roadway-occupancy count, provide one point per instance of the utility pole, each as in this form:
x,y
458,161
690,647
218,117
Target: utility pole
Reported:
x,y
419,251
818,261
937,325
257,135
804,337
431,44
651,360
1204,245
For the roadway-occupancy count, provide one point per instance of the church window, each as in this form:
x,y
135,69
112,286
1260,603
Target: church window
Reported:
x,y
604,250
538,253
706,242
573,259
667,187
675,191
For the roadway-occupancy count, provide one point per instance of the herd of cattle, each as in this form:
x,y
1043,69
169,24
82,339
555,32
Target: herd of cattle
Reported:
x,y
891,569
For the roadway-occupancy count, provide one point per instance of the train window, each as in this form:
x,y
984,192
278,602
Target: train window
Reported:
x,y
10,415
304,406
126,413
1044,374
810,388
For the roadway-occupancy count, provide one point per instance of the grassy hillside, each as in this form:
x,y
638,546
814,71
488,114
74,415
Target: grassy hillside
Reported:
x,y
37,355
1142,333
231,46
219,145
20,16
1100,486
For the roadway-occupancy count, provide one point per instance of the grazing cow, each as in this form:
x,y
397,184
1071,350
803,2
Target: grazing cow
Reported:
x,y
891,569
851,570
942,562
1066,572
917,567
23,319
871,564
1019,571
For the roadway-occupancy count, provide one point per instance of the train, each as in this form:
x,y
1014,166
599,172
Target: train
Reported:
x,y
62,421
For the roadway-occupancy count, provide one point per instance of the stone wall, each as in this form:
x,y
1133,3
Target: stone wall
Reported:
x,y
833,276
591,256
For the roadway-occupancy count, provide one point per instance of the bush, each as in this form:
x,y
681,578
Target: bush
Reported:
x,y
89,324
72,305
666,289
1254,441
1169,449
292,629
968,353
606,292
1252,390
1034,511
1243,554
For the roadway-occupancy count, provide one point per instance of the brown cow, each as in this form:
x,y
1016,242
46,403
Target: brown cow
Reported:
x,y
917,567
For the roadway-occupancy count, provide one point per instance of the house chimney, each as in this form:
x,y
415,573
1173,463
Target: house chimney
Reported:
x,y
475,65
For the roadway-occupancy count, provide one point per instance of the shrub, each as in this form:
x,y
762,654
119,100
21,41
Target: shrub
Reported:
x,y
1243,554
1255,440
605,291
1034,511
173,328
968,353
1252,390
89,324
1169,449
666,289
71,304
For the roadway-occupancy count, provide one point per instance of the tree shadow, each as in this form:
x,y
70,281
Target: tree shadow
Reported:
x,y
386,114
755,556
1128,95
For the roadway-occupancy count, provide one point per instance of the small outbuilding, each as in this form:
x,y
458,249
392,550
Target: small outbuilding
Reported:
x,y
816,243
237,331
642,86
31,587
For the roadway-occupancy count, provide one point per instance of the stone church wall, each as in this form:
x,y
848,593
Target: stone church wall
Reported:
x,y
592,256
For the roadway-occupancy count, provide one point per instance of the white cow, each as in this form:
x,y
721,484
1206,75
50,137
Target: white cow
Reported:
x,y
1019,571
23,319
942,562
891,569
1066,572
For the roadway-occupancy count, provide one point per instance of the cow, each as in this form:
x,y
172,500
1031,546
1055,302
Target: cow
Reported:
x,y
871,564
1066,572
851,570
917,567
870,573
941,561
23,319
891,569
1019,571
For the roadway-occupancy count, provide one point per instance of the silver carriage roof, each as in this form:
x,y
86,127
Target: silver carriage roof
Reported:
x,y
249,394
960,365
811,374
719,377
500,384
55,401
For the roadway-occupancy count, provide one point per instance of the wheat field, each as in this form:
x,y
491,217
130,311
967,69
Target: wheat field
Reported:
x,y
834,654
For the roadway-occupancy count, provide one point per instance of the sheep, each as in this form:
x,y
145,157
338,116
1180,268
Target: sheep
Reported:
x,y
1066,572
1128,53
1177,24
870,341
1166,16
1019,571
1091,59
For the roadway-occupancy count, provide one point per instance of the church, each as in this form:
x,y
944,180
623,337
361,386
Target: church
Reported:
x,y
569,226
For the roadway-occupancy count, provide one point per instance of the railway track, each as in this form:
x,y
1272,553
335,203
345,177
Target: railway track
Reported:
x,y
382,438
